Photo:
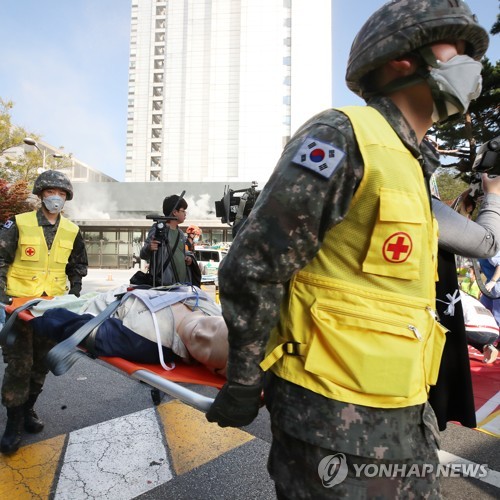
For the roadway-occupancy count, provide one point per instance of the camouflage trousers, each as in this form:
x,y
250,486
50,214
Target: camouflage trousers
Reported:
x,y
299,468
26,369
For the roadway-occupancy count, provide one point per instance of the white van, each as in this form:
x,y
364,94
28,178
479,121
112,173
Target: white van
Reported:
x,y
209,259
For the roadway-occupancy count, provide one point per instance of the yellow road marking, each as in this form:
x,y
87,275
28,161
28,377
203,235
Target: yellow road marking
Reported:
x,y
29,473
192,440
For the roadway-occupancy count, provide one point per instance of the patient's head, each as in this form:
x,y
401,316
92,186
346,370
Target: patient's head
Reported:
x,y
205,337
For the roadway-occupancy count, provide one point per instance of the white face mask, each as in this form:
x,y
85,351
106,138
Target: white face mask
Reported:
x,y
460,78
196,239
54,204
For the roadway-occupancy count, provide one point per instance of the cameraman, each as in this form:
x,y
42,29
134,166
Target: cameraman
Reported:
x,y
164,248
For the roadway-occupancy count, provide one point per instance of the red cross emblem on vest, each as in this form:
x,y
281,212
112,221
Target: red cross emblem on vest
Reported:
x,y
30,251
397,248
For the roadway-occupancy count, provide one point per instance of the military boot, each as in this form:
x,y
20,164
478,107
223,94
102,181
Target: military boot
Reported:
x,y
32,423
12,436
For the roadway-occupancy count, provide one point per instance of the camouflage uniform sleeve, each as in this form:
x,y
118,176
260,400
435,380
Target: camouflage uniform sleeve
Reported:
x,y
9,236
78,263
282,234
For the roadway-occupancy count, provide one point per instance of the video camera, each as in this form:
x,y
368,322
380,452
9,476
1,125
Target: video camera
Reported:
x,y
161,226
488,158
236,204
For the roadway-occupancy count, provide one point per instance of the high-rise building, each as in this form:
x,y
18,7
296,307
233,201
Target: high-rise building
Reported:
x,y
216,87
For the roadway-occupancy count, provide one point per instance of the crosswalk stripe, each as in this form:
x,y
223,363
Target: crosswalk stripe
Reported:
x,y
117,459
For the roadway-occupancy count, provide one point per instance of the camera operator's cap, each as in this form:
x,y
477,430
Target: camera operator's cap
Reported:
x,y
400,27
194,230
173,202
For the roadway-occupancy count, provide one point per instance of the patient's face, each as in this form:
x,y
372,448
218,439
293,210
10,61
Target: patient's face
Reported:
x,y
198,326
205,337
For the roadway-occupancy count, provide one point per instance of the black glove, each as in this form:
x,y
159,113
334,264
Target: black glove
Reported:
x,y
236,405
4,298
76,288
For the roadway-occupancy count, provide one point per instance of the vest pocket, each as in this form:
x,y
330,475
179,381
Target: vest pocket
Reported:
x,y
30,249
23,283
396,242
63,251
433,352
364,353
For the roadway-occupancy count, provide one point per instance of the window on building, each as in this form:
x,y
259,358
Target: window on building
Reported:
x,y
159,64
159,37
156,133
158,78
157,105
156,119
155,147
158,91
155,176
159,50
160,24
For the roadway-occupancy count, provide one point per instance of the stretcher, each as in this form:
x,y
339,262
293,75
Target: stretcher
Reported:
x,y
159,379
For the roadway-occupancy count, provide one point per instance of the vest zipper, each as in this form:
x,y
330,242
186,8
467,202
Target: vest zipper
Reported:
x,y
400,324
301,278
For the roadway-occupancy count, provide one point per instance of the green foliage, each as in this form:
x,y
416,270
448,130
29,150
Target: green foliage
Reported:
x,y
496,27
450,184
15,166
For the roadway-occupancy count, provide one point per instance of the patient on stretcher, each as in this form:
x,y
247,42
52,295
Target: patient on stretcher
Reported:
x,y
150,326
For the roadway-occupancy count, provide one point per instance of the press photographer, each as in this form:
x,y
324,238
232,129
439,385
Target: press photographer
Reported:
x,y
236,205
164,248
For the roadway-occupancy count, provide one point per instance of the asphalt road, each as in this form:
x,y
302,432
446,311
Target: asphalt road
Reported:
x,y
91,395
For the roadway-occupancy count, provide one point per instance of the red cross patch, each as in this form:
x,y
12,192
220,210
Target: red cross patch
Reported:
x,y
397,248
30,251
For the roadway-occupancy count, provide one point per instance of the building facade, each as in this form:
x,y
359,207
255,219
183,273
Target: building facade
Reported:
x,y
115,217
217,87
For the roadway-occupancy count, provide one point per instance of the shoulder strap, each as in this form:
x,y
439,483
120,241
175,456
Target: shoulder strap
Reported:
x,y
63,356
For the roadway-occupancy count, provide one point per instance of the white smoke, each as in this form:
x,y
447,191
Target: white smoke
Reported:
x,y
200,209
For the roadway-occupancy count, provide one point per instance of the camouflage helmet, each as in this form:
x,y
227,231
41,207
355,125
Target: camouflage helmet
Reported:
x,y
53,179
403,26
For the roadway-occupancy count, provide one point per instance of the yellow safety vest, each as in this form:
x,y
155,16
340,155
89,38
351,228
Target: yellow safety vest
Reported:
x,y
358,322
35,270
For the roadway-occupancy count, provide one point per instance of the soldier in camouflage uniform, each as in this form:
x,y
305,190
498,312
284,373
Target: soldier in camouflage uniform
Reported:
x,y
39,252
296,223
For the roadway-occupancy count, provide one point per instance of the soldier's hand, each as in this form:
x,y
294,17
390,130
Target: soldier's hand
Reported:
x,y
4,298
75,289
236,405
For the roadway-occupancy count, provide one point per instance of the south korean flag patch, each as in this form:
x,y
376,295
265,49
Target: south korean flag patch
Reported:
x,y
319,157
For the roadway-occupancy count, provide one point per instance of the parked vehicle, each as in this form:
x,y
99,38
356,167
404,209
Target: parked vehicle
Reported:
x,y
209,259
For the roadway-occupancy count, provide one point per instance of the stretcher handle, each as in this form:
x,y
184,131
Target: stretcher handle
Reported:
x,y
175,390
64,355
8,334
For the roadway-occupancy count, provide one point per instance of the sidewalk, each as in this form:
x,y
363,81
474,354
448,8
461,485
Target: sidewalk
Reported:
x,y
101,280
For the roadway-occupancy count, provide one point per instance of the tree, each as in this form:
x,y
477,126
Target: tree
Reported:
x,y
14,199
496,27
15,166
